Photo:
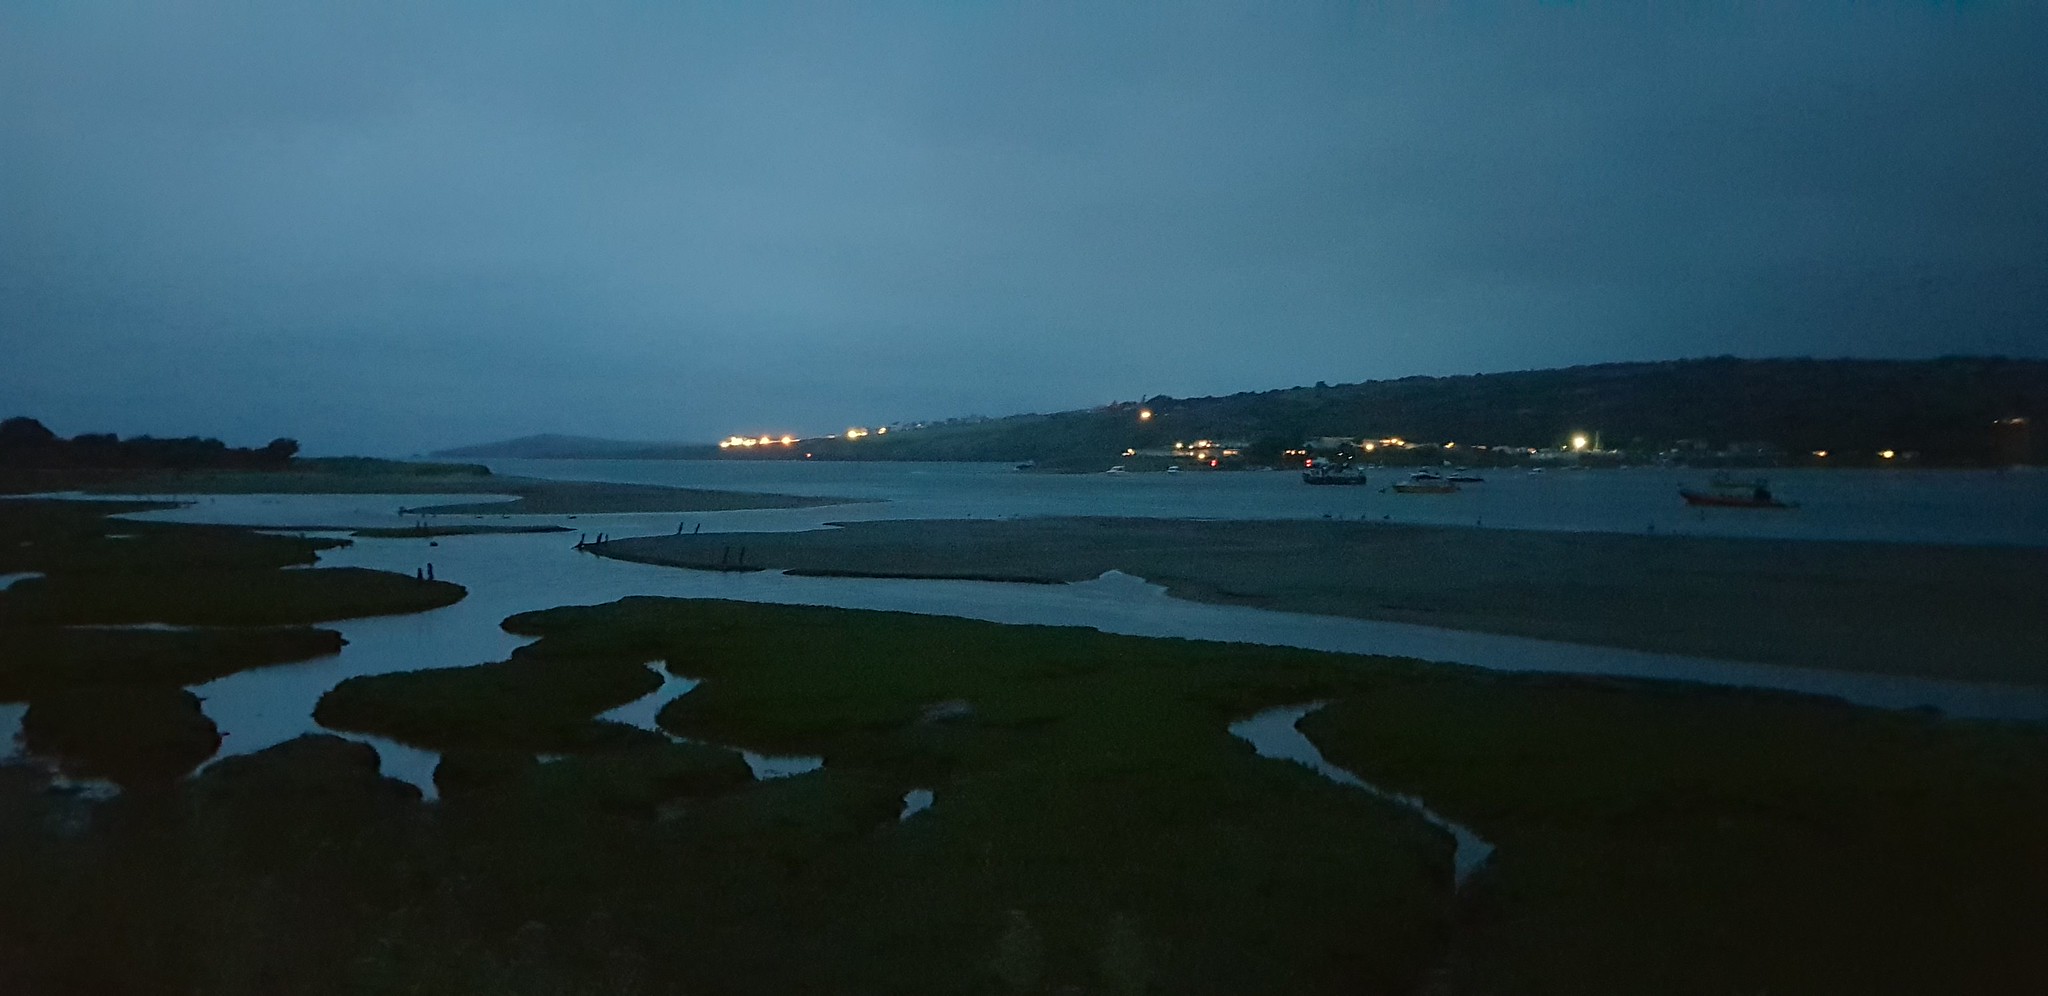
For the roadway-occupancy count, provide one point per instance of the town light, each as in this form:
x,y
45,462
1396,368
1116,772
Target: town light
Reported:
x,y
1823,454
1144,414
1579,441
1887,454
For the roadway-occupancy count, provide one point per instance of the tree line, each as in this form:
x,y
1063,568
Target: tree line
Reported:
x,y
27,443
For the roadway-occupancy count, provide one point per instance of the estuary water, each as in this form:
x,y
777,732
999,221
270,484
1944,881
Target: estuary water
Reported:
x,y
1965,507
511,573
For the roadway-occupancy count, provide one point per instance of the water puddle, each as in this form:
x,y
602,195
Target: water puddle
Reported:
x,y
1274,733
915,801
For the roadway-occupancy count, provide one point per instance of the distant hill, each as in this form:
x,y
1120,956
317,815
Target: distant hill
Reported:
x,y
1950,411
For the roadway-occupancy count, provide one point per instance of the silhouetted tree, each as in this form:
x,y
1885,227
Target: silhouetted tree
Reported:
x,y
22,431
279,451
25,442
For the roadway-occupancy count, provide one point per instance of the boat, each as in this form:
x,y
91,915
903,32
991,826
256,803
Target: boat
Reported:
x,y
1722,492
1323,472
1463,476
1425,475
1118,469
1425,483
1175,469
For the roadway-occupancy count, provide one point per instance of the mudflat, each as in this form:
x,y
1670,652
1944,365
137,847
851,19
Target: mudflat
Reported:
x,y
1965,613
532,496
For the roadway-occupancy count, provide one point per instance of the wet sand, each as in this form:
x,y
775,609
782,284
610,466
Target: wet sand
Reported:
x,y
1964,613
530,495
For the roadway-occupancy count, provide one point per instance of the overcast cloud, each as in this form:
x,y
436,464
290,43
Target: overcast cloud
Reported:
x,y
390,229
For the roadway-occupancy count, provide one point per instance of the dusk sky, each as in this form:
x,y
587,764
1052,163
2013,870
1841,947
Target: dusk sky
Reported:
x,y
389,229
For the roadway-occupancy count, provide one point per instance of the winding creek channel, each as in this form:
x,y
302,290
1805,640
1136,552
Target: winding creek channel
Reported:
x,y
511,573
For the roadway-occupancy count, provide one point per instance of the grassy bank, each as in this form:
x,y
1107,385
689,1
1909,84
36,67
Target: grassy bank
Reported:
x,y
1099,825
1971,613
222,598
108,701
140,736
532,702
1700,842
40,660
1096,830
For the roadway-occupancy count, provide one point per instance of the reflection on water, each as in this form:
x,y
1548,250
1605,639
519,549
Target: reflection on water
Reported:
x,y
915,801
641,711
1274,733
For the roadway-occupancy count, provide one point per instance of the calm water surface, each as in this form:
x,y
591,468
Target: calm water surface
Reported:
x,y
2004,508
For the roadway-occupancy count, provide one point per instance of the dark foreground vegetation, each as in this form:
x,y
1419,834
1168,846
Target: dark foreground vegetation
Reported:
x,y
1970,613
1675,841
36,660
123,615
1096,830
25,442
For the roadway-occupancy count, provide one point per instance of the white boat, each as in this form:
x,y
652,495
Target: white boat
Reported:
x,y
1324,472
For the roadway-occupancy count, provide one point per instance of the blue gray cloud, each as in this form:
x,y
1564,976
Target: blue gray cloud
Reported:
x,y
390,228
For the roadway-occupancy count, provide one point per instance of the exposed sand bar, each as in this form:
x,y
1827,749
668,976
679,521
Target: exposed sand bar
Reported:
x,y
1958,613
487,494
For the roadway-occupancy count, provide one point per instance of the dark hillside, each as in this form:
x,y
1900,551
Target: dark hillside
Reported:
x,y
1955,411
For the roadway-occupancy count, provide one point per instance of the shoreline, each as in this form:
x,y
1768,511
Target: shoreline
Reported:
x,y
530,495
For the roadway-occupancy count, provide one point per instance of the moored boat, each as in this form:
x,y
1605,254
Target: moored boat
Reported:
x,y
1324,472
1425,483
1724,493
